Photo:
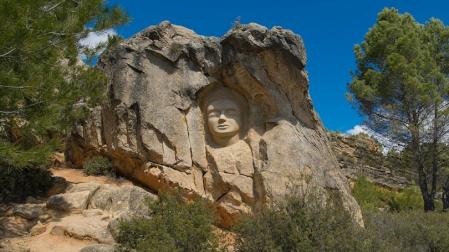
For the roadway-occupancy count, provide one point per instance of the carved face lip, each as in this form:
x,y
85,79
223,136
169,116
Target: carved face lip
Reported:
x,y
222,126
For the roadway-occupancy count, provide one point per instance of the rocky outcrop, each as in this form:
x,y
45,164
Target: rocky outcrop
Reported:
x,y
360,155
86,213
229,119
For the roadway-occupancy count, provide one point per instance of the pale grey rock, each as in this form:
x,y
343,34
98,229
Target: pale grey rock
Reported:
x,y
100,207
76,201
29,211
98,248
81,227
155,130
76,198
125,198
86,211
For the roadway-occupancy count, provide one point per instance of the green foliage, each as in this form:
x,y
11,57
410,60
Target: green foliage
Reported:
x,y
23,173
407,231
296,224
401,70
372,197
97,165
173,225
402,84
299,224
14,157
18,183
42,86
409,198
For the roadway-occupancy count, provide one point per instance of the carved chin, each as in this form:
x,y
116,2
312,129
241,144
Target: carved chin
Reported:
x,y
225,133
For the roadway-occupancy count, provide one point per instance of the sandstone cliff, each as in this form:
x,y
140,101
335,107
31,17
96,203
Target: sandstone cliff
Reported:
x,y
157,124
360,155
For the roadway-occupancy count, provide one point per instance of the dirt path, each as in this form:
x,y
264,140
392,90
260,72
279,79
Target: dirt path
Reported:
x,y
77,176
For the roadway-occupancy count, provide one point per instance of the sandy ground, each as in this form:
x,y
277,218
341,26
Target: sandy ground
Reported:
x,y
45,243
77,176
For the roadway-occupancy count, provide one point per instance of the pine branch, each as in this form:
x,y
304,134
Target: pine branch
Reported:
x,y
15,87
391,118
18,111
6,54
54,6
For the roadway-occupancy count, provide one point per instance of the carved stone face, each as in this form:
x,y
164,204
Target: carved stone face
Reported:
x,y
224,121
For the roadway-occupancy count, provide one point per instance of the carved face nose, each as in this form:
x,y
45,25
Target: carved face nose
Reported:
x,y
222,118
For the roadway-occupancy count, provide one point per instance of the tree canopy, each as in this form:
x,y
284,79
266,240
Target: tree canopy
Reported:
x,y
402,83
42,80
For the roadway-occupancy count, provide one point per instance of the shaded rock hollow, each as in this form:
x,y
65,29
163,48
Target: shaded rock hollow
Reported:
x,y
154,127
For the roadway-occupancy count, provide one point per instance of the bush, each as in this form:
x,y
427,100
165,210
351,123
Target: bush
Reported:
x,y
371,197
98,165
173,225
18,183
408,199
297,224
408,231
405,227
23,173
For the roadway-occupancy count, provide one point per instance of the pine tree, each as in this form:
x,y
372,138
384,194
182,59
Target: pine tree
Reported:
x,y
41,78
402,85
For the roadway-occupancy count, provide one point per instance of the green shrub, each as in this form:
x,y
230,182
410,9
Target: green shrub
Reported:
x,y
98,165
23,172
408,231
173,225
370,197
409,198
297,224
17,184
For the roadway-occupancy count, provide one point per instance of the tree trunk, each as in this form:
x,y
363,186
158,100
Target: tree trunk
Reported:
x,y
435,142
426,195
445,197
429,204
419,165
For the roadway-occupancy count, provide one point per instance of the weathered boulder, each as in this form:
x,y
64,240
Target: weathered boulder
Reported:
x,y
229,119
127,198
96,209
19,219
76,198
82,227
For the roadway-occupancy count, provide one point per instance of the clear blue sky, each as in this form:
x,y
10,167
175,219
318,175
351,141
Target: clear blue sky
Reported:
x,y
330,29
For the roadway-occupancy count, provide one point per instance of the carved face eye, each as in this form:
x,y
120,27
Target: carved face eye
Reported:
x,y
231,112
213,113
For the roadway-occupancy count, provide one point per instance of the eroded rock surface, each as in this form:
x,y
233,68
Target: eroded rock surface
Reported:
x,y
360,155
85,213
241,149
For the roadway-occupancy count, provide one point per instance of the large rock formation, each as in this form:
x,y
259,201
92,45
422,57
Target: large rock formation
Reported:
x,y
361,155
229,119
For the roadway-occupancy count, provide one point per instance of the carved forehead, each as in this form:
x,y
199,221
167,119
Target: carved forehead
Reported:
x,y
223,96
223,104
